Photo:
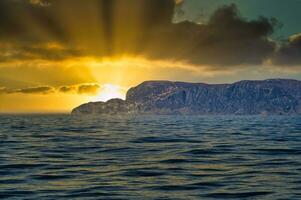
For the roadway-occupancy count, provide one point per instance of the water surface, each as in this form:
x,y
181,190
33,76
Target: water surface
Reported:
x,y
150,157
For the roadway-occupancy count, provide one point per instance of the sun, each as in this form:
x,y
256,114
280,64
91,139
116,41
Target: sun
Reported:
x,y
110,91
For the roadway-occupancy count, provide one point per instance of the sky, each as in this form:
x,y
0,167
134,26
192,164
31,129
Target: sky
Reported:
x,y
58,54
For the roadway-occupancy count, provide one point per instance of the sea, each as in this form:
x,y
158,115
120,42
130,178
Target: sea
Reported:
x,y
150,157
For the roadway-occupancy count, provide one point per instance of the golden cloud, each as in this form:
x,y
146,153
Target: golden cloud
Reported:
x,y
86,88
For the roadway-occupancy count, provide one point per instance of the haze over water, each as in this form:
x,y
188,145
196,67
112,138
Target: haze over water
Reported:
x,y
150,157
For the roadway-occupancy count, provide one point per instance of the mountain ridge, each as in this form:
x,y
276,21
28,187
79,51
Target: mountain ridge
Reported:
x,y
246,97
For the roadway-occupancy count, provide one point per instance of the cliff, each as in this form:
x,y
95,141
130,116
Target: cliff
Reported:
x,y
273,96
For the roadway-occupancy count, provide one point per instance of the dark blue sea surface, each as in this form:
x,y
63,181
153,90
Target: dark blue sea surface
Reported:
x,y
150,157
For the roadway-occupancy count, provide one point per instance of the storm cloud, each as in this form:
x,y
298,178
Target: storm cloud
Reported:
x,y
103,28
226,40
289,54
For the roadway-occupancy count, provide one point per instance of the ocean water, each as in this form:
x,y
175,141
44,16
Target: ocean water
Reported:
x,y
150,157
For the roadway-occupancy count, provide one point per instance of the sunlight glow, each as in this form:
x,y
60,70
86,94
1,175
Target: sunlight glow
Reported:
x,y
110,91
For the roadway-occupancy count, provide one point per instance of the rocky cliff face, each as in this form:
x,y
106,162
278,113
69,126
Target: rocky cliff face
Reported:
x,y
113,106
274,96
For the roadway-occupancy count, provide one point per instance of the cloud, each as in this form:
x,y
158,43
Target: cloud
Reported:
x,y
57,73
36,90
178,2
85,88
43,3
51,51
289,54
88,89
29,22
30,90
68,89
227,40
138,28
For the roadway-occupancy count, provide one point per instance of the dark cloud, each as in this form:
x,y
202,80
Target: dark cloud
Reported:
x,y
28,22
68,89
289,54
31,90
136,27
37,90
50,52
88,89
227,40
85,88
42,3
